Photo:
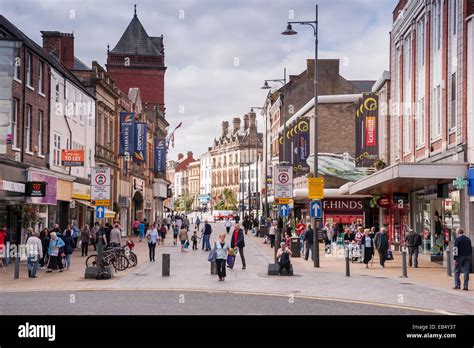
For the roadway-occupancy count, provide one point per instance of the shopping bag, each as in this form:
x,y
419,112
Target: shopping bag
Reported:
x,y
212,255
231,261
389,255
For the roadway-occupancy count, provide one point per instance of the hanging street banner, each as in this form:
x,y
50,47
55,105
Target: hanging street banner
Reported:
x,y
297,146
72,158
367,114
127,133
160,156
139,152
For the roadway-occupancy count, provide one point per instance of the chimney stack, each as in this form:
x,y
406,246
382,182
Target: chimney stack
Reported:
x,y
246,122
236,124
225,128
252,120
180,156
190,155
61,45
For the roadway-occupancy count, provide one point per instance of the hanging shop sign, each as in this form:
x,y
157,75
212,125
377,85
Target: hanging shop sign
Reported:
x,y
139,152
36,189
367,113
470,178
160,156
127,133
400,197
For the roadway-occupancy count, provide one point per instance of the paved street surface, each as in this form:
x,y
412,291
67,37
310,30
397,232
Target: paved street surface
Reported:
x,y
190,271
181,302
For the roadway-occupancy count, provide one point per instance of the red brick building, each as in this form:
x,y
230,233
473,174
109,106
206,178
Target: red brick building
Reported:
x,y
138,60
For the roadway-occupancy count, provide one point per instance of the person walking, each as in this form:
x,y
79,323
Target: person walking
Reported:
x,y
228,225
256,230
413,242
381,244
272,232
44,237
198,222
175,234
183,237
141,230
308,240
162,232
86,236
152,237
76,231
283,257
194,239
238,242
68,248
246,224
222,250
368,243
206,235
94,235
115,237
55,259
462,259
34,249
135,225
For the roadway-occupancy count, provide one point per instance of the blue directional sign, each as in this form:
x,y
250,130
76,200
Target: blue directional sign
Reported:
x,y
99,212
284,210
316,209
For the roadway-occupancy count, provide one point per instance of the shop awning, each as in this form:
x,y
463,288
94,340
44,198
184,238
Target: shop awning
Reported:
x,y
108,213
406,177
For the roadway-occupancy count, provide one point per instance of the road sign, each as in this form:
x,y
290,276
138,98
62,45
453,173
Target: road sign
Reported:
x,y
280,201
284,210
104,202
316,188
283,181
316,209
100,186
99,212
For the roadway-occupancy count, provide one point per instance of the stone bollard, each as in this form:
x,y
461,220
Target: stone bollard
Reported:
x,y
348,267
166,265
404,263
213,268
448,262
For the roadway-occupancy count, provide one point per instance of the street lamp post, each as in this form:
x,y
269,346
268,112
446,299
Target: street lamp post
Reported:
x,y
289,31
256,169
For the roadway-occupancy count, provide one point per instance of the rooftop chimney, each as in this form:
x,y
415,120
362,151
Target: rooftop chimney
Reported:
x,y
61,44
246,122
225,128
180,156
236,124
190,155
252,120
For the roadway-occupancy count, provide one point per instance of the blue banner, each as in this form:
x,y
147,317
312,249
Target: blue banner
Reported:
x,y
139,153
127,133
470,177
160,156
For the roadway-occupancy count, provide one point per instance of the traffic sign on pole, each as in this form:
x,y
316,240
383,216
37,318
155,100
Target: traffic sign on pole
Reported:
x,y
316,209
100,186
315,188
284,210
283,181
280,201
99,212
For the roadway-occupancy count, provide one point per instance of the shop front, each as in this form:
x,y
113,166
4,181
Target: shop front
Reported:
x,y
81,208
49,199
343,211
138,199
60,212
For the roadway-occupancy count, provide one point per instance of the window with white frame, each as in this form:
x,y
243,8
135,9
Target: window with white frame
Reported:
x,y
29,69
40,132
453,118
14,123
28,128
17,63
406,116
438,19
56,149
436,114
420,122
57,92
454,12
41,78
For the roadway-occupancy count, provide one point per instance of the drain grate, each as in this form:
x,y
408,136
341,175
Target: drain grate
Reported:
x,y
140,274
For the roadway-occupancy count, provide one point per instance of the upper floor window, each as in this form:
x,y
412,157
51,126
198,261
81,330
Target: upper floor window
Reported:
x,y
29,69
17,70
29,129
41,78
14,130
40,132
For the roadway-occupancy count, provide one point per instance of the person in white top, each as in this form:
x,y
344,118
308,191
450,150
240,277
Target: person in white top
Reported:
x,y
34,250
152,237
272,233
228,225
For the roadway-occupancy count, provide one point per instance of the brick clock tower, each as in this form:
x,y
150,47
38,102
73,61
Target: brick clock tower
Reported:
x,y
138,60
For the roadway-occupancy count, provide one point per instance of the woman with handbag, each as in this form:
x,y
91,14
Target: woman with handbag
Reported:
x,y
55,259
85,238
222,249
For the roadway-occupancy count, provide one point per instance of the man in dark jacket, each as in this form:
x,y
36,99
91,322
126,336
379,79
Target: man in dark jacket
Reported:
x,y
462,259
238,241
308,239
246,224
381,244
206,235
413,242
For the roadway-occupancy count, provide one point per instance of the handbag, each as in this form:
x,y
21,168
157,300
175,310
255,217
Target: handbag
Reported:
x,y
212,255
389,255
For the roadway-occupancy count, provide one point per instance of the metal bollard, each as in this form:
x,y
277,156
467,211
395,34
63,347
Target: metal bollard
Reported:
x,y
17,267
165,265
404,264
449,262
213,268
348,267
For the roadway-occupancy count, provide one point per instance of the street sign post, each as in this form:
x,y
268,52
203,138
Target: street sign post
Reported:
x,y
100,186
284,210
99,212
316,188
280,201
283,181
316,209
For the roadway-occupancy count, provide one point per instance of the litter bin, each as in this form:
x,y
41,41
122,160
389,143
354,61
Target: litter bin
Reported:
x,y
263,231
295,247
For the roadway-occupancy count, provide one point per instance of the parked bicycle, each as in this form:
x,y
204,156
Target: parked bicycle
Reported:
x,y
115,257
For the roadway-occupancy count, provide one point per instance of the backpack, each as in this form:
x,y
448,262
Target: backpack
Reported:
x,y
285,258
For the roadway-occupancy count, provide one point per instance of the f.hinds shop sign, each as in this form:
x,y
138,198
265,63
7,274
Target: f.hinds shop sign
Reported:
x,y
343,205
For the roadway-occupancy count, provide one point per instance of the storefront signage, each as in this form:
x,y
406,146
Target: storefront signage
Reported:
x,y
138,184
51,188
460,183
11,186
347,205
36,189
366,130
160,156
81,191
370,131
72,158
127,133
400,197
139,153
436,191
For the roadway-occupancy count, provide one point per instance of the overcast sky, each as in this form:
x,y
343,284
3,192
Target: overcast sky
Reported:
x,y
218,52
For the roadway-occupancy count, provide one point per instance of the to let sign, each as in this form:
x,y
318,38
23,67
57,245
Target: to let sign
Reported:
x,y
72,158
316,188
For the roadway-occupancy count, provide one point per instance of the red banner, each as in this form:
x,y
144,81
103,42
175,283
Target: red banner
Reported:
x,y
370,131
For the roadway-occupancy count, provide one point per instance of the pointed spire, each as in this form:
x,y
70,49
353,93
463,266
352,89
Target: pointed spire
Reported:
x,y
108,48
135,10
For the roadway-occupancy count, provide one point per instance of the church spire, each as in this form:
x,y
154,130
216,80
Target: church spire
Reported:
x,y
135,10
